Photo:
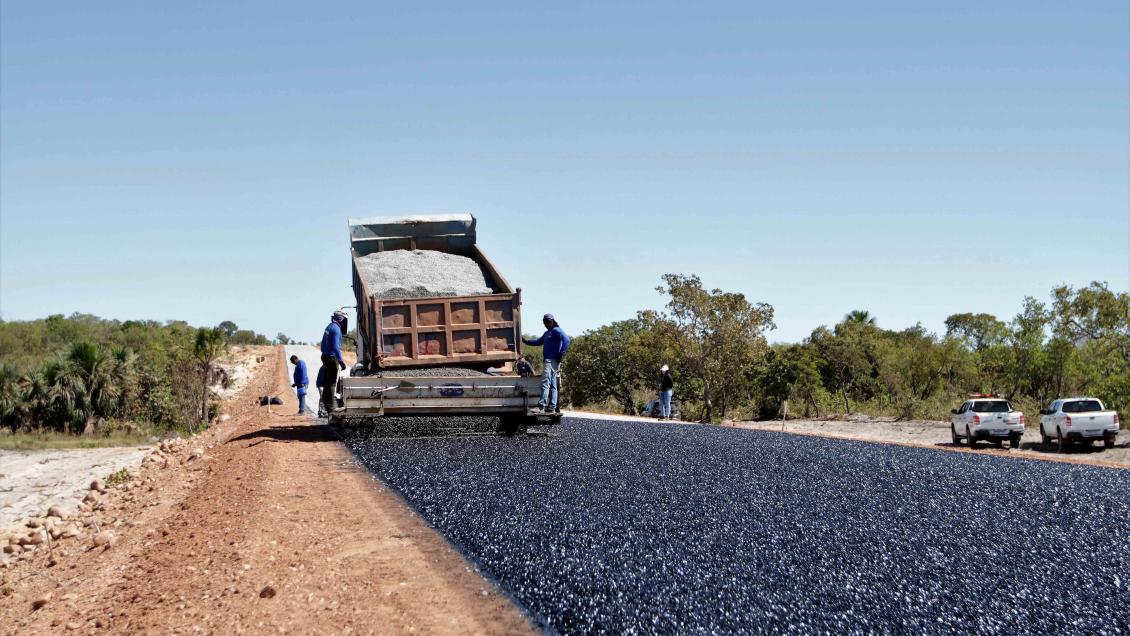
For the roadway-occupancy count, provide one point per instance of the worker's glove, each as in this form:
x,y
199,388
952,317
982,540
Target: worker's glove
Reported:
x,y
341,364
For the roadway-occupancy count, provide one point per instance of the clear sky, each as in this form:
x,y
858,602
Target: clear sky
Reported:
x,y
198,161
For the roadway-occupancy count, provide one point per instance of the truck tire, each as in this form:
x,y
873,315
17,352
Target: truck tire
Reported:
x,y
969,437
954,436
1044,439
1108,441
1014,441
1061,442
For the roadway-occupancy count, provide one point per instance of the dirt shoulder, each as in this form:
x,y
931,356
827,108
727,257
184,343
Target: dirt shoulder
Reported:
x,y
263,524
936,435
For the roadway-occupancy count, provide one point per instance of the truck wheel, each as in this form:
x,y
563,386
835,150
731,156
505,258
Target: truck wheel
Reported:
x,y
1044,439
1014,441
1108,442
1061,442
954,436
969,436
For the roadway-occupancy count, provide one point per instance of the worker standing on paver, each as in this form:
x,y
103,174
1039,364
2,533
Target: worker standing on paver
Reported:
x,y
554,343
331,359
666,390
301,381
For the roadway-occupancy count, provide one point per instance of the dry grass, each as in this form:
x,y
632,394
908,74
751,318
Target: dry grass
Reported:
x,y
59,441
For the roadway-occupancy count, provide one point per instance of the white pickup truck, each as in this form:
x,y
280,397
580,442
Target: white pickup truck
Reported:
x,y
987,417
1080,419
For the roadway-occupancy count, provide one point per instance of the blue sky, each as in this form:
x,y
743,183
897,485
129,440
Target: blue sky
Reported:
x,y
198,161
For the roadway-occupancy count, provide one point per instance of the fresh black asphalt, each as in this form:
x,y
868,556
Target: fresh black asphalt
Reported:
x,y
629,527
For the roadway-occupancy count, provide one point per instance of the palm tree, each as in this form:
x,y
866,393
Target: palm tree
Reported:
x,y
860,317
94,367
14,407
209,346
60,393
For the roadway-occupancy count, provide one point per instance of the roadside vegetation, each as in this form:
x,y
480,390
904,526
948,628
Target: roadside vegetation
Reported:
x,y
1077,343
111,381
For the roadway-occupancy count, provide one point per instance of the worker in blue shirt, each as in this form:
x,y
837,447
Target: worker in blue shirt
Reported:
x,y
301,381
331,359
554,343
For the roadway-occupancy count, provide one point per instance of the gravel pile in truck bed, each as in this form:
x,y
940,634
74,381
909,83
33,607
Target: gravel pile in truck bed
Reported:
x,y
435,372
420,273
645,527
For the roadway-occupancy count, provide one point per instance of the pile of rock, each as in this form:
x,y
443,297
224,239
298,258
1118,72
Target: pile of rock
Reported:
x,y
421,273
57,525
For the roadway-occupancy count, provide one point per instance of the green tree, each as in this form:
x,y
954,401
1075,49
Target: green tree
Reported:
x,y
613,362
719,335
282,338
860,317
229,328
209,346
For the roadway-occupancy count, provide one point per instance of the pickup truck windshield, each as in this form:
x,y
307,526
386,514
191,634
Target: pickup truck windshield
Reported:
x,y
995,406
1082,406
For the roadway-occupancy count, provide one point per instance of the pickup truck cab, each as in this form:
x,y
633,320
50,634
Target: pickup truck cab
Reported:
x,y
989,418
1083,419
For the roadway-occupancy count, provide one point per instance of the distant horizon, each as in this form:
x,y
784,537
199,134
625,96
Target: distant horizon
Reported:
x,y
911,161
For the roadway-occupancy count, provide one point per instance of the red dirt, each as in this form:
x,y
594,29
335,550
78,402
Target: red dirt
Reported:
x,y
273,530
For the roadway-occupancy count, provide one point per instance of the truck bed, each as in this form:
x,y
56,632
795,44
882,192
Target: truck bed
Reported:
x,y
471,331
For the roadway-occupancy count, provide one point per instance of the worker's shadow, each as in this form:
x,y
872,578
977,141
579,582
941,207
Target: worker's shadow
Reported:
x,y
286,434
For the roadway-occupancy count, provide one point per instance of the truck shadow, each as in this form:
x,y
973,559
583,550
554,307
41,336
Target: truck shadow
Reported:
x,y
287,433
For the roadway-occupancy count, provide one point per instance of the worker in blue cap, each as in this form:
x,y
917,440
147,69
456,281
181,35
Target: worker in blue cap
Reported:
x,y
331,359
554,344
301,382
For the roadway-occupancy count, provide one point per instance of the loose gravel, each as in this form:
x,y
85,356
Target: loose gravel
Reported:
x,y
422,273
665,528
432,372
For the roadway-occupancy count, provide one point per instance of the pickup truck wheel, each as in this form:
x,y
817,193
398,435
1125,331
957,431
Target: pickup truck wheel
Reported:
x,y
1044,439
1014,441
1061,442
1108,442
969,437
954,436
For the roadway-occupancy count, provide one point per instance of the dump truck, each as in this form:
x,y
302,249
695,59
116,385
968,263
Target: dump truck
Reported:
x,y
410,348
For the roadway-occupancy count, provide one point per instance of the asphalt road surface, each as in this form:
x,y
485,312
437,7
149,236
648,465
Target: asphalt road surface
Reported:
x,y
608,526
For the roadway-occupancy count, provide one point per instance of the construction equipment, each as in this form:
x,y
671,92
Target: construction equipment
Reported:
x,y
410,348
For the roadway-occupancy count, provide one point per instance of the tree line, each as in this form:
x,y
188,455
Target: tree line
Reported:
x,y
1078,342
85,374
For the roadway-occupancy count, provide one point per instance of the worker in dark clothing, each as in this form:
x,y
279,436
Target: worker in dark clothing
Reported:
x,y
554,343
331,359
301,381
666,390
320,382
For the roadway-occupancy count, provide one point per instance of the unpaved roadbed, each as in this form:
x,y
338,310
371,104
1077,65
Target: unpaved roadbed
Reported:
x,y
269,528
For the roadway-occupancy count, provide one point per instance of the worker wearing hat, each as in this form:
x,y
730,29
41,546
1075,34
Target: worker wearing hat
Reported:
x,y
554,343
331,359
666,390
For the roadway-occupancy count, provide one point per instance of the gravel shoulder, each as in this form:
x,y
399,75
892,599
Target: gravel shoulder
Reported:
x,y
262,524
936,435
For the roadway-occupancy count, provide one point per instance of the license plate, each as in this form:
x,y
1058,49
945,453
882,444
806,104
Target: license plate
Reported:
x,y
1000,432
1094,433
